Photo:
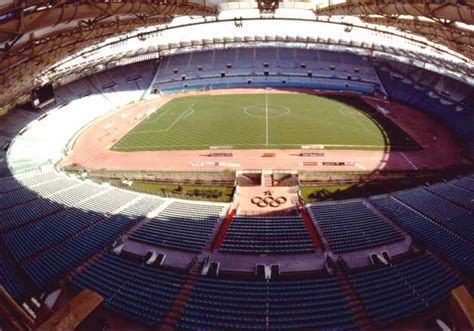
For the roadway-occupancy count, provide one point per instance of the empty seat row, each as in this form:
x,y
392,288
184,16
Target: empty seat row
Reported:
x,y
58,260
265,234
454,194
350,226
442,241
217,304
9,279
137,291
465,183
458,219
402,289
180,225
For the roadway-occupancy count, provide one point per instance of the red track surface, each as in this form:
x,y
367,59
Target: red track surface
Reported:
x,y
92,148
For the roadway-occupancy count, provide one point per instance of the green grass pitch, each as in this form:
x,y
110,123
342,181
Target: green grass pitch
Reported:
x,y
254,121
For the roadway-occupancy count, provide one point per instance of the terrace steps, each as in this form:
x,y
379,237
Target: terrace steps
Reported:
x,y
174,314
219,239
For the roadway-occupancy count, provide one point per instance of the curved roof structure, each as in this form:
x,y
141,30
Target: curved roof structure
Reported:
x,y
37,34
446,22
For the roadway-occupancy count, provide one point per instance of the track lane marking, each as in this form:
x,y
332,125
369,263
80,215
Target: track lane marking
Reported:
x,y
409,161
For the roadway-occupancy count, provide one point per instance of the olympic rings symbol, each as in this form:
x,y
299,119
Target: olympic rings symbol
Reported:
x,y
268,201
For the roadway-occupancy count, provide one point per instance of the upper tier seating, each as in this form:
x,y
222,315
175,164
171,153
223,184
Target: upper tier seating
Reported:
x,y
14,122
444,98
350,226
442,241
201,70
181,225
115,87
456,218
133,290
77,104
286,234
401,289
218,304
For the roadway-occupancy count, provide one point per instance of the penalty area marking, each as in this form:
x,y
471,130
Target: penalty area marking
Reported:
x,y
184,114
189,114
179,118
348,112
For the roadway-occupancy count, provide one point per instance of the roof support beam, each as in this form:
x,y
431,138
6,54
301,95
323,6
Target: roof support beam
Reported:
x,y
20,65
456,38
27,50
45,15
443,16
450,10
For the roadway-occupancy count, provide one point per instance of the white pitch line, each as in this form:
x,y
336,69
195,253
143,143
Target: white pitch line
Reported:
x,y
348,111
190,113
183,115
224,144
176,121
266,116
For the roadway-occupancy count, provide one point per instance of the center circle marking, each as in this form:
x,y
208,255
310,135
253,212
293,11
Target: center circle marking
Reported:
x,y
259,111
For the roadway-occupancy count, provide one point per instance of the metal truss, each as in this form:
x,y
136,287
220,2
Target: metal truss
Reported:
x,y
456,38
442,14
440,11
34,34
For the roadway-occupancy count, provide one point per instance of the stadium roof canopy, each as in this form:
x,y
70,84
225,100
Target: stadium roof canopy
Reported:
x,y
37,34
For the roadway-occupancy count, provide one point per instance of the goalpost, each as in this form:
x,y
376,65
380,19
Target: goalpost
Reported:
x,y
312,151
221,151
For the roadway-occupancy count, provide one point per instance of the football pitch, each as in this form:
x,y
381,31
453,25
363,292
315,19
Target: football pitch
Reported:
x,y
255,121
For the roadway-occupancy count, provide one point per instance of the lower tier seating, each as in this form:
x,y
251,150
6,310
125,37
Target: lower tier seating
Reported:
x,y
402,289
350,226
457,195
63,258
465,183
186,226
33,238
9,280
442,241
267,235
139,292
26,213
458,219
218,304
